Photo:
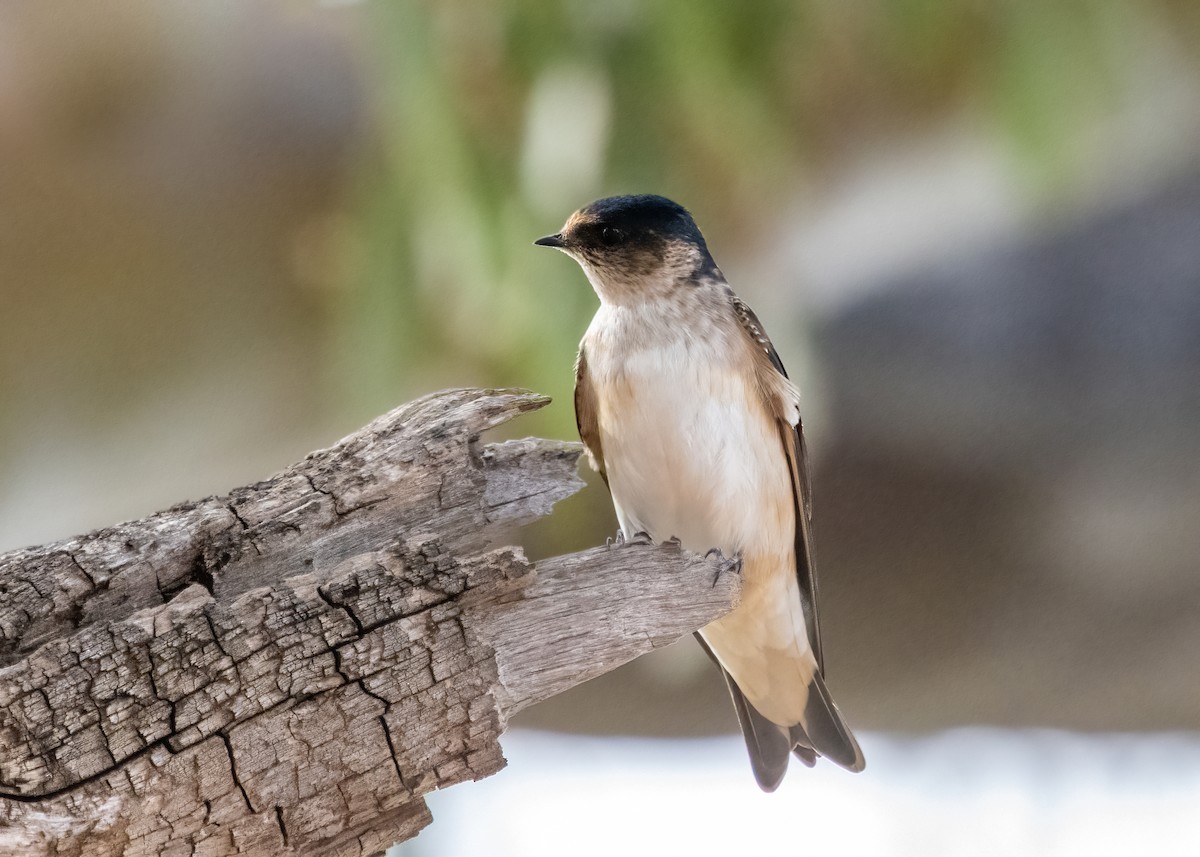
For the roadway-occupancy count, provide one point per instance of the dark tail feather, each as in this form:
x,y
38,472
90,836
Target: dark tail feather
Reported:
x,y
802,751
825,731
767,744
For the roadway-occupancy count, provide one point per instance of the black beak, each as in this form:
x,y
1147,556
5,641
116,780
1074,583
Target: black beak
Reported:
x,y
551,241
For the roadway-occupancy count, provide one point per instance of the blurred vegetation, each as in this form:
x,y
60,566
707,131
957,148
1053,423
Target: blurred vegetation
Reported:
x,y
734,109
175,211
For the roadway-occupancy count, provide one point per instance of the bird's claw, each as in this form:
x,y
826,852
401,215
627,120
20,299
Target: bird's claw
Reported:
x,y
725,565
639,538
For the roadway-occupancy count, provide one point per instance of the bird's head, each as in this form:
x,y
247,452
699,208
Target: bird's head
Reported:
x,y
634,247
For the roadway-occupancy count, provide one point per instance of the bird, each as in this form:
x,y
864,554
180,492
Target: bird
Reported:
x,y
686,412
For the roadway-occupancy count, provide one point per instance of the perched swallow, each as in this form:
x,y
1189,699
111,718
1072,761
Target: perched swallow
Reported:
x,y
687,413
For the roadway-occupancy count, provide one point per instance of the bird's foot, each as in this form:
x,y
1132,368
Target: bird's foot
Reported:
x,y
725,564
639,538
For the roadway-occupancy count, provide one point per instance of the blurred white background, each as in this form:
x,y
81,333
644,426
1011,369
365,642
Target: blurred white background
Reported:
x,y
961,793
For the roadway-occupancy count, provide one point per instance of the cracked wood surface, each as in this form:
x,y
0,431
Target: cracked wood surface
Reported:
x,y
286,670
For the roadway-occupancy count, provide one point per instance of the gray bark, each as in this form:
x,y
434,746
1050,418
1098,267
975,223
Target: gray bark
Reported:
x,y
287,669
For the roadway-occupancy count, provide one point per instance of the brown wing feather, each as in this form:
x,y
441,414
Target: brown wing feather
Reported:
x,y
586,417
792,439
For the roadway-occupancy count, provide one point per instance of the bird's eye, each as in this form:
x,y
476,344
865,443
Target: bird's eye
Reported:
x,y
611,237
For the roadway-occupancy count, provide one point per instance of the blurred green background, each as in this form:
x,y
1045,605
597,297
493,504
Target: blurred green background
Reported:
x,y
232,232
230,228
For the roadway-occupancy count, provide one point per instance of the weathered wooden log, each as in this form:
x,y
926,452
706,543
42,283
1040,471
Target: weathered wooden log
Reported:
x,y
287,669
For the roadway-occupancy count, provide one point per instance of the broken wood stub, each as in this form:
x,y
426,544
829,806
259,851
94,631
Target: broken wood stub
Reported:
x,y
286,670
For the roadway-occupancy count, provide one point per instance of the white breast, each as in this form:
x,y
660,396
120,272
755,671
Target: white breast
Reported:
x,y
691,451
689,448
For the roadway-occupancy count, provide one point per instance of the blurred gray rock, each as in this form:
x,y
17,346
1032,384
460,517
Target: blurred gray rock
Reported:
x,y
1007,516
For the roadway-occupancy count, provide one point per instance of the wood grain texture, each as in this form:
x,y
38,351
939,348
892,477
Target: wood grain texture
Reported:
x,y
287,669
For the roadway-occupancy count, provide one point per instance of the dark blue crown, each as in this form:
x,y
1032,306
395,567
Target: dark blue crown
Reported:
x,y
646,213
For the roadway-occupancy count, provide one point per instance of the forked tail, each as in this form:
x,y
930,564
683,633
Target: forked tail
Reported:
x,y
822,731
